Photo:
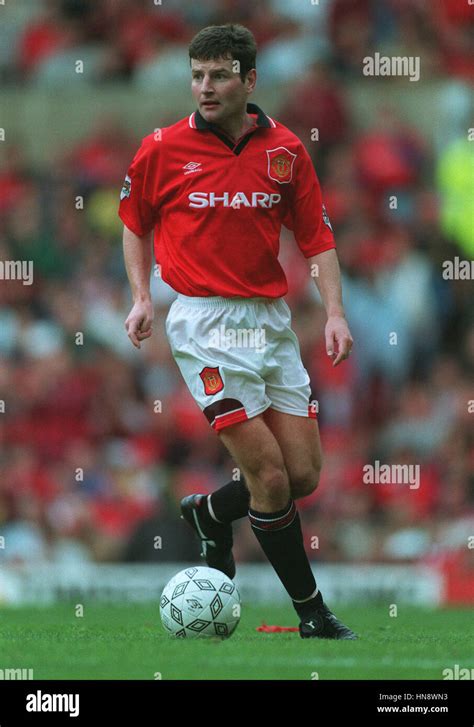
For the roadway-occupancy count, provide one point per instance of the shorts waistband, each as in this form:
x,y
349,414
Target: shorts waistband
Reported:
x,y
221,302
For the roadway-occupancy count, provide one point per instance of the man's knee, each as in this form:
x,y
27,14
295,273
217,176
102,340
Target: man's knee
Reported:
x,y
258,454
304,482
271,478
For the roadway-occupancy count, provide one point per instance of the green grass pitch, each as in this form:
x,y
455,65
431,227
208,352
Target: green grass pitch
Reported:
x,y
128,642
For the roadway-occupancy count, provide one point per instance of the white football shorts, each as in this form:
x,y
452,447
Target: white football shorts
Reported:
x,y
239,356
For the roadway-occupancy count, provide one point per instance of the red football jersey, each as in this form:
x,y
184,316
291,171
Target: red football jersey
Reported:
x,y
217,206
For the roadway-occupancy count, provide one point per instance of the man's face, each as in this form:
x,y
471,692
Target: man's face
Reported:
x,y
218,90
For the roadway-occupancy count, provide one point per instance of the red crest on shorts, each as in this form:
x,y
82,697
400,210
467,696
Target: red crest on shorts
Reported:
x,y
212,380
280,164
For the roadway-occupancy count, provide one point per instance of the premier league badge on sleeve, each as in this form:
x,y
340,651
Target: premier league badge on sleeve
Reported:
x,y
126,188
326,219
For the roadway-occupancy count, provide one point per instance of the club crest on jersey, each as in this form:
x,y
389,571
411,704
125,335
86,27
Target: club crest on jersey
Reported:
x,y
126,188
280,164
212,380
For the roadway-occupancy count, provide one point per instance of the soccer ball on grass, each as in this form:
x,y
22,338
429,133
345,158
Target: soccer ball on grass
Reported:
x,y
200,603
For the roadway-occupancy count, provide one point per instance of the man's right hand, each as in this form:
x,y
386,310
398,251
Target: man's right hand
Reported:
x,y
139,321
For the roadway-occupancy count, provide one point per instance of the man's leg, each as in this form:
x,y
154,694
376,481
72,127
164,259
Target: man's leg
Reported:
x,y
300,445
272,512
298,439
211,516
230,502
255,446
256,452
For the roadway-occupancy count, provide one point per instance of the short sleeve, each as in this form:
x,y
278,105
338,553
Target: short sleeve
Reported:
x,y
306,215
136,209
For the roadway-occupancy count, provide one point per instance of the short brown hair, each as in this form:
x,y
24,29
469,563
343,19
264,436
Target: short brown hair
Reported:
x,y
224,41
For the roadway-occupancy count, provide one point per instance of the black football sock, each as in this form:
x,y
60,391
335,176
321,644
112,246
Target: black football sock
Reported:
x,y
305,608
229,502
280,536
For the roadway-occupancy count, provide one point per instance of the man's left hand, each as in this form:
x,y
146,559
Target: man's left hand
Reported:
x,y
338,339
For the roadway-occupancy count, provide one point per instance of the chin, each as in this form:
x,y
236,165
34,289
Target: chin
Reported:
x,y
212,112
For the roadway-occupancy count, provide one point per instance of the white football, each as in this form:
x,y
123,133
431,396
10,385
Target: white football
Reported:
x,y
200,602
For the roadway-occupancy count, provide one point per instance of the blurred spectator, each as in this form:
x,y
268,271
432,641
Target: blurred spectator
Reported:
x,y
316,103
454,174
42,38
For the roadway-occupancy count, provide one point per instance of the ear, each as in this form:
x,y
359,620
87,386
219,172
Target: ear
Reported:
x,y
251,80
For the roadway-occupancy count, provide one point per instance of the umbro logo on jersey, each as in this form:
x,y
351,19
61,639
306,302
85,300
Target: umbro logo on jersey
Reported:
x,y
238,200
192,167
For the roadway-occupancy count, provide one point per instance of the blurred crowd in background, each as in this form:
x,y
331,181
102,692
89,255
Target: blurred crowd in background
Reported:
x,y
99,441
142,40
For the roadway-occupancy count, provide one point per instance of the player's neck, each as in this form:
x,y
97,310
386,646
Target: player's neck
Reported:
x,y
237,126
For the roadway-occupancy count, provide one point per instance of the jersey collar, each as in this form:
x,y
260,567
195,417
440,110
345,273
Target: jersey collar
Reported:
x,y
196,121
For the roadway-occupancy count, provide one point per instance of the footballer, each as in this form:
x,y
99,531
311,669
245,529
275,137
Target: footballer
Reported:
x,y
210,194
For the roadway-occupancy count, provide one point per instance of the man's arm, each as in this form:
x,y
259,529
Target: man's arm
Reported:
x,y
137,253
325,271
